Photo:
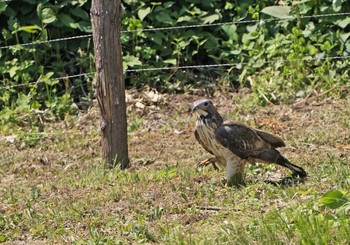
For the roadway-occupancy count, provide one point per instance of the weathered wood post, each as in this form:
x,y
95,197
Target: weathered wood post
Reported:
x,y
106,19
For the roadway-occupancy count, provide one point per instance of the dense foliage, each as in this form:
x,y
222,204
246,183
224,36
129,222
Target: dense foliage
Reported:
x,y
274,53
30,21
270,49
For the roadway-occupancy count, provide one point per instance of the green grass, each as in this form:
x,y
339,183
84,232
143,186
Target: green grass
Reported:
x,y
57,191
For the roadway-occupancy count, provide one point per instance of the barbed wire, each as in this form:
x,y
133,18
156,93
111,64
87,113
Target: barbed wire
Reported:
x,y
50,80
47,41
261,21
233,64
175,68
185,67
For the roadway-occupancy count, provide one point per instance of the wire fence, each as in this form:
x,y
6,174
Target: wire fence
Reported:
x,y
169,28
182,67
175,68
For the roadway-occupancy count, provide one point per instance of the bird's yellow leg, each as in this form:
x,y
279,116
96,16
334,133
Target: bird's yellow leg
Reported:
x,y
207,162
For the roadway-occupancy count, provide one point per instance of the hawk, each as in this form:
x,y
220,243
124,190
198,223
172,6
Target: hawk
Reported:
x,y
234,144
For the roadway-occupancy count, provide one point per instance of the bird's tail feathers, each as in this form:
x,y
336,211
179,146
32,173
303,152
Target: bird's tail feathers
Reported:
x,y
274,156
295,169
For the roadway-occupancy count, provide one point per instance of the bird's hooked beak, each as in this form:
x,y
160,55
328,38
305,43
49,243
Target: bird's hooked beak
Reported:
x,y
201,107
197,109
194,108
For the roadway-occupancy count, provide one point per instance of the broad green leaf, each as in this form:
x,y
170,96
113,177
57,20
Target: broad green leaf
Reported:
x,y
164,18
277,11
168,4
304,9
252,28
2,7
184,18
242,76
228,6
344,37
48,75
247,37
334,199
309,28
312,49
131,60
157,38
343,23
211,18
155,3
142,13
170,61
67,20
54,82
300,2
130,2
236,51
48,15
80,2
337,5
183,44
13,71
23,100
39,10
229,29
259,63
30,29
212,43
43,35
79,12
326,46
6,34
84,26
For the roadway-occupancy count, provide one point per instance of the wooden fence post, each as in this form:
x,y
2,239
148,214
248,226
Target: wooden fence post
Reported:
x,y
106,22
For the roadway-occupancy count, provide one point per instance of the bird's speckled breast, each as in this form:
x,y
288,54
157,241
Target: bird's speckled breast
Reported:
x,y
206,131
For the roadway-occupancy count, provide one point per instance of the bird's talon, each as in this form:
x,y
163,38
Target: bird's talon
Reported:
x,y
202,164
207,162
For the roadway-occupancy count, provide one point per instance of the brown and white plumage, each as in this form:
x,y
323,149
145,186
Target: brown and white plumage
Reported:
x,y
234,144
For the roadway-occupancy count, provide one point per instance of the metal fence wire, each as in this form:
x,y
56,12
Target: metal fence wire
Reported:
x,y
170,28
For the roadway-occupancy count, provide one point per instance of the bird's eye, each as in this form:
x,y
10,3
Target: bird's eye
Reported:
x,y
206,103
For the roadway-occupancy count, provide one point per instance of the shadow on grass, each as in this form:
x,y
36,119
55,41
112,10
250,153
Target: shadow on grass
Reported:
x,y
287,181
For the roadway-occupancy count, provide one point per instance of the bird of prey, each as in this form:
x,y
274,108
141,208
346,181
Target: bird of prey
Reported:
x,y
234,144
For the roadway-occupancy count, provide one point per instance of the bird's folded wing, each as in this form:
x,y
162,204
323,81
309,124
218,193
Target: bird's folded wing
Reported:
x,y
273,140
241,139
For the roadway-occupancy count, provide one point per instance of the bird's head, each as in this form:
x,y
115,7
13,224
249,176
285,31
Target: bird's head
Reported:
x,y
204,107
